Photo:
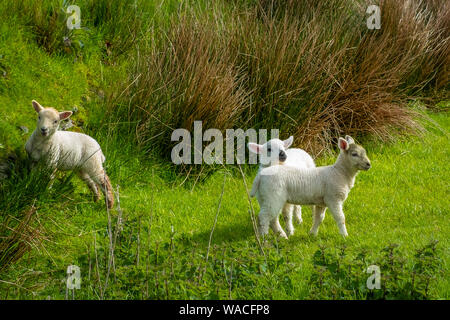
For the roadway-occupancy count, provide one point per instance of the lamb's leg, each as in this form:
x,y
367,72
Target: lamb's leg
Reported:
x,y
91,184
52,178
287,215
318,216
298,214
270,210
105,185
277,229
263,222
338,215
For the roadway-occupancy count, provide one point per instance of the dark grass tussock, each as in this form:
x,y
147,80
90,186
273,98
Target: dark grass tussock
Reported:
x,y
19,235
18,225
21,196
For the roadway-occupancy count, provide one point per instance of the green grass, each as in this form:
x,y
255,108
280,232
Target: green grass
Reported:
x,y
32,74
403,199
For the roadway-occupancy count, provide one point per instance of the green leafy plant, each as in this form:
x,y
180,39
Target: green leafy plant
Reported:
x,y
338,276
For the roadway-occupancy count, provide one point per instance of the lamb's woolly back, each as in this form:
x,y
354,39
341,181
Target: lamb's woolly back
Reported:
x,y
299,165
299,158
269,156
300,185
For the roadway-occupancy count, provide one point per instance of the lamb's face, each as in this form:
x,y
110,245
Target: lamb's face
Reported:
x,y
48,122
355,154
272,152
49,119
358,157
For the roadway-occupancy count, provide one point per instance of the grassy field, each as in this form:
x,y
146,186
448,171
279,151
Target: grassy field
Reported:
x,y
161,250
163,242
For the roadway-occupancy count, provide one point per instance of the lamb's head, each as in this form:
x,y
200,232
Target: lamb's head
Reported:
x,y
354,154
272,152
48,119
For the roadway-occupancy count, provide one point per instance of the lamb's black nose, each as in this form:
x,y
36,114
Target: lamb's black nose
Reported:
x,y
282,156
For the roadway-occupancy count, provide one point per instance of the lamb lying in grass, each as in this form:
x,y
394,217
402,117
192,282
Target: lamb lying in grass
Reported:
x,y
276,152
65,150
323,187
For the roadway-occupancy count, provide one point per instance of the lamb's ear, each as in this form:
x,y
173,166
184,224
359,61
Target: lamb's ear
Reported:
x,y
37,106
287,143
343,144
64,115
349,139
254,147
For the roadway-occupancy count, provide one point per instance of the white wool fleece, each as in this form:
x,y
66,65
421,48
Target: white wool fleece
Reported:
x,y
66,150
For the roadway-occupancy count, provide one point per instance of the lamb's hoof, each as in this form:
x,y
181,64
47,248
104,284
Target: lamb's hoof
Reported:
x,y
262,238
261,235
343,233
283,235
110,204
290,233
298,220
313,233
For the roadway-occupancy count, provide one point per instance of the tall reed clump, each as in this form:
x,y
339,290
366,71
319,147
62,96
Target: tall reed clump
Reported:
x,y
18,236
182,75
312,69
21,196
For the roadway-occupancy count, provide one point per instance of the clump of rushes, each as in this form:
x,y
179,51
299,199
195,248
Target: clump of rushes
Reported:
x,y
182,76
19,235
20,197
311,69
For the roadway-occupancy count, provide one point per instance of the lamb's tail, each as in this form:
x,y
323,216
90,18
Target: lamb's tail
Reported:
x,y
255,186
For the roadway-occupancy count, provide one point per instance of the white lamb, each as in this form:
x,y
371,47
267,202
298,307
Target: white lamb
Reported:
x,y
323,187
65,150
276,152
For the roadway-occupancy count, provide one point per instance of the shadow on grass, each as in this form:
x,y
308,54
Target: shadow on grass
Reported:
x,y
222,233
236,232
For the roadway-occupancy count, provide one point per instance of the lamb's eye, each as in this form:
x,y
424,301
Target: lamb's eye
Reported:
x,y
354,154
269,150
39,117
55,122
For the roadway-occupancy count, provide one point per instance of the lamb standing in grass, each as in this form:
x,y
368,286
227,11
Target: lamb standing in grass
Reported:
x,y
276,152
65,150
323,187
